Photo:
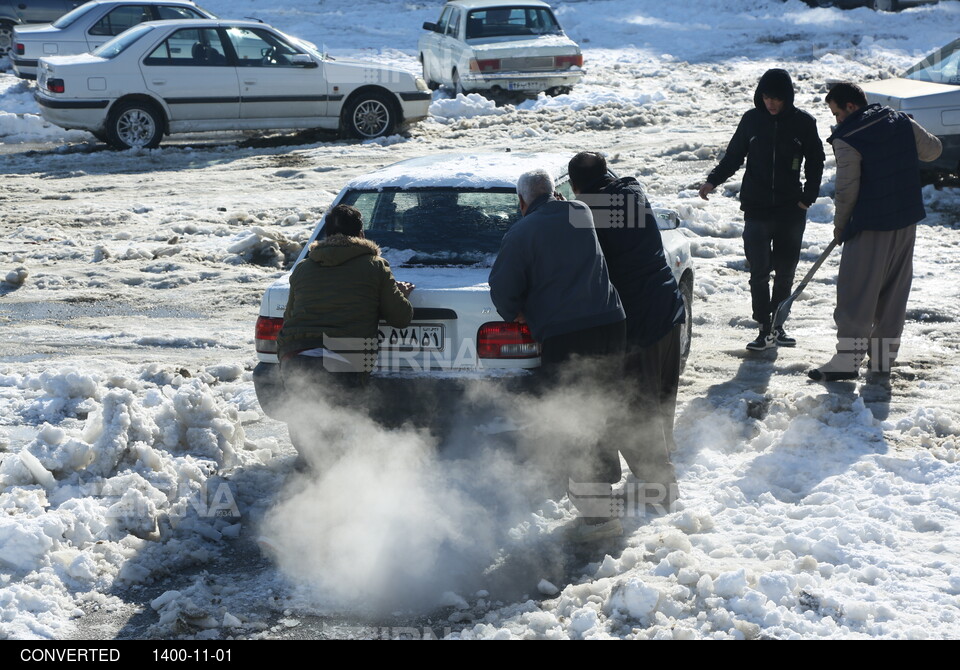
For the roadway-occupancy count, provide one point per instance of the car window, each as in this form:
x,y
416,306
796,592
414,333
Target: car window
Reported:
x,y
122,18
122,42
453,28
940,67
260,48
444,18
174,12
190,47
509,21
71,17
442,226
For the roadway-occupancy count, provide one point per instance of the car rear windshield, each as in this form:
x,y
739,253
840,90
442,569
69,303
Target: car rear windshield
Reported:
x,y
442,226
119,43
71,17
510,21
940,67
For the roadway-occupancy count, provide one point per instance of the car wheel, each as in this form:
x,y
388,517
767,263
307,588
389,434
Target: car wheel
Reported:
x,y
686,334
885,5
6,38
370,115
135,125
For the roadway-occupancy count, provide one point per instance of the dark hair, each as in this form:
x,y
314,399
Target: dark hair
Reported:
x,y
344,220
585,168
844,93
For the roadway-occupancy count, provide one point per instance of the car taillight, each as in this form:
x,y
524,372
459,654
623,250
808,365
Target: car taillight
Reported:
x,y
266,334
501,339
568,61
19,49
55,85
486,65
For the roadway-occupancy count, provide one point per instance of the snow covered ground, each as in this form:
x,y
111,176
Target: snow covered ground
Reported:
x,y
137,469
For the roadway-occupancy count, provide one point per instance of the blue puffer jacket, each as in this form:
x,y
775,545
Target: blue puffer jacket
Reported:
x,y
890,195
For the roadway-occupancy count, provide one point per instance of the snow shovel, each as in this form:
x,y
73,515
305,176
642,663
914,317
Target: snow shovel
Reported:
x,y
783,310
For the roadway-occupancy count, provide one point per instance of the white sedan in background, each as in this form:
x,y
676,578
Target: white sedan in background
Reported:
x,y
90,25
167,77
503,49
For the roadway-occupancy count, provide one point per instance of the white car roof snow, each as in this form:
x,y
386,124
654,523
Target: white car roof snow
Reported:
x,y
472,170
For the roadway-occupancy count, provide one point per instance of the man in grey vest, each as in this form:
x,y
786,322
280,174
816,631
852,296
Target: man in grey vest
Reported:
x,y
878,204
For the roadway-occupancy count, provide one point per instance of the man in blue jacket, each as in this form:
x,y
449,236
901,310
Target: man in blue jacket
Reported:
x,y
550,273
775,138
878,204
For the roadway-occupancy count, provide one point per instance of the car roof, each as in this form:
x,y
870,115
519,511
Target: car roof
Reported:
x,y
479,4
462,170
143,2
225,23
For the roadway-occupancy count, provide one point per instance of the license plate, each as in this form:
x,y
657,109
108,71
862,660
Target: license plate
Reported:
x,y
411,338
526,85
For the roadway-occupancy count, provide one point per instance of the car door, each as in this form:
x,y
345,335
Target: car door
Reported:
x,y
432,52
190,71
278,80
450,45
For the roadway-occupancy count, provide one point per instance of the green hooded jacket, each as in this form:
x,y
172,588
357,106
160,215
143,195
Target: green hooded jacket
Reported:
x,y
342,289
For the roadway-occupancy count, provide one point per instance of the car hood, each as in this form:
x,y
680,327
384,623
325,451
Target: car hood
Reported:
x,y
41,30
552,44
905,94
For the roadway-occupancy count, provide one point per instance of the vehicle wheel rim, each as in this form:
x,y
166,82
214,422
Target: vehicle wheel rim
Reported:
x,y
371,118
687,326
136,128
6,39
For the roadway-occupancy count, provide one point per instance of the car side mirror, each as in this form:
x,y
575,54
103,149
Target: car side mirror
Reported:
x,y
302,60
432,27
667,219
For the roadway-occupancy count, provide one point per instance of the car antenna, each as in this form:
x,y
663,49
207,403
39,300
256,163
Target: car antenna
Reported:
x,y
253,18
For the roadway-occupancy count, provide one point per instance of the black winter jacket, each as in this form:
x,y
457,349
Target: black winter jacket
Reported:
x,y
774,147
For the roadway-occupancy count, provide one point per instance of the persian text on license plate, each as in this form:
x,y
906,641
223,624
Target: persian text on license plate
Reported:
x,y
527,85
412,338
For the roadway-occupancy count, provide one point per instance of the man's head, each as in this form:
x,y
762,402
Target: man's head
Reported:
x,y
344,220
844,99
586,168
532,185
775,91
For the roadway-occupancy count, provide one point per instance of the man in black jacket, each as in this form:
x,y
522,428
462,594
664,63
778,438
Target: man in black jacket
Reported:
x,y
630,239
775,138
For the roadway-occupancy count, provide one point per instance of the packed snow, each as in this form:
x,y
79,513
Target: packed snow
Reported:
x,y
138,471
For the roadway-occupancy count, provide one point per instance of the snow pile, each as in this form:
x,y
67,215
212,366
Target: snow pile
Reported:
x,y
464,107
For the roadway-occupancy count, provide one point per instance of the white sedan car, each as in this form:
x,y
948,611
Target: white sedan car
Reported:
x,y
439,221
929,92
167,77
499,48
90,25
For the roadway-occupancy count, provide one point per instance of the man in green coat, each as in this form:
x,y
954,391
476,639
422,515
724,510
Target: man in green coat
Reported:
x,y
338,295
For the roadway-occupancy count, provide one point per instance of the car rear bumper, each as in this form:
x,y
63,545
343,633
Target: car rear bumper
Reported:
x,y
522,81
73,114
25,68
950,158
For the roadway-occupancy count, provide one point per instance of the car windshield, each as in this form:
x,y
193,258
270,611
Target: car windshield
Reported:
x,y
510,21
940,67
442,226
120,43
71,17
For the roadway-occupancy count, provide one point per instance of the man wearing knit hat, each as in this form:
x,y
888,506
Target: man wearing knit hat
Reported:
x,y
775,138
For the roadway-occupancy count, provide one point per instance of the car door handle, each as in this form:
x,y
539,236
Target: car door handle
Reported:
x,y
159,82
250,82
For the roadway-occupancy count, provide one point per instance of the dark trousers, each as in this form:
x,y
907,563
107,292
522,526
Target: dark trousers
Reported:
x,y
771,243
653,375
600,349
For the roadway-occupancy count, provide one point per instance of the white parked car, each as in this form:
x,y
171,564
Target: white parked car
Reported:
x,y
439,221
929,92
90,25
499,48
167,77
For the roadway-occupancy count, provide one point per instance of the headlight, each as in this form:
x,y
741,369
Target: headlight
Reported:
x,y
421,84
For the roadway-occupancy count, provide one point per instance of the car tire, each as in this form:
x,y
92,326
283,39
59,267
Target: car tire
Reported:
x,y
885,5
686,334
6,38
370,115
135,125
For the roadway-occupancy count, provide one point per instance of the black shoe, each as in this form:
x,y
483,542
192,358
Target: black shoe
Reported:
x,y
783,339
830,375
765,340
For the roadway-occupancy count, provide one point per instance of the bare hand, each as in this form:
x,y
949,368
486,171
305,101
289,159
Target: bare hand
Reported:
x,y
803,206
706,190
837,234
405,288
558,195
520,318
